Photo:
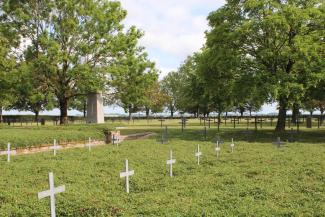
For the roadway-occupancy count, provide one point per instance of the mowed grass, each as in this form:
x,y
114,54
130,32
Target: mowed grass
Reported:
x,y
258,179
31,136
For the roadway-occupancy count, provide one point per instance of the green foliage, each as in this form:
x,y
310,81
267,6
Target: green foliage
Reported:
x,y
279,42
7,67
170,87
133,76
71,48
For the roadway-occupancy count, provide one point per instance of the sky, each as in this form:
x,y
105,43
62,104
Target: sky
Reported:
x,y
173,30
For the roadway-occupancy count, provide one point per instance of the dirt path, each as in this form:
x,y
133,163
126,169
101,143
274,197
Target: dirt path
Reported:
x,y
70,145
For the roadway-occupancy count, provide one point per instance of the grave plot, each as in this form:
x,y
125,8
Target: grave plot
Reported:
x,y
93,185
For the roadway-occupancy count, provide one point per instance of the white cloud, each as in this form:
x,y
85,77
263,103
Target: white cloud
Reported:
x,y
173,28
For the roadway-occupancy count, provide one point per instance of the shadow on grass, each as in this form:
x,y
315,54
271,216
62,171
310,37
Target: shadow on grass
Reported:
x,y
259,136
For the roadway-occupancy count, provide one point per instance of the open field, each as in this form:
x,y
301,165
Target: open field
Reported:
x,y
258,179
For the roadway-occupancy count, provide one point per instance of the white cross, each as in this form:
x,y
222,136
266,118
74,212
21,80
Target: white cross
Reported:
x,y
126,174
55,147
89,144
51,193
218,149
198,154
171,161
278,142
232,145
115,139
8,152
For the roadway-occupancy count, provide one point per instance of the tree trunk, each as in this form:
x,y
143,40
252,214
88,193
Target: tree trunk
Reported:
x,y
85,108
219,120
321,116
281,124
63,111
130,113
1,110
147,113
171,111
295,112
36,115
197,111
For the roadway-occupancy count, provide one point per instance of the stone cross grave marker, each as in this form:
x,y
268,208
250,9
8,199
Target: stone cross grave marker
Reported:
x,y
115,139
55,147
198,154
292,135
161,122
183,123
170,162
247,122
209,120
164,136
218,149
261,120
232,145
51,193
9,152
234,120
126,174
89,144
218,139
278,142
204,132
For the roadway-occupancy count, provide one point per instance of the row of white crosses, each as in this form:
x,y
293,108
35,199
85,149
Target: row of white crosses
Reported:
x,y
125,174
170,162
55,148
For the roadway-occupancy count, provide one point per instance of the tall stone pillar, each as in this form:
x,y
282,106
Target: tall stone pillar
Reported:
x,y
95,108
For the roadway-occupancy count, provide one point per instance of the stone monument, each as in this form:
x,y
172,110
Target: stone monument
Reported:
x,y
95,108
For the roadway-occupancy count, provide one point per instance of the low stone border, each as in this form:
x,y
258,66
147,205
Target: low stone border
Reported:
x,y
70,145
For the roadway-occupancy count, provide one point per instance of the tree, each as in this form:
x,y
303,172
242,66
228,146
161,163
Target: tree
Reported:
x,y
218,73
170,87
193,97
155,99
80,104
31,93
7,67
78,40
133,76
248,94
279,40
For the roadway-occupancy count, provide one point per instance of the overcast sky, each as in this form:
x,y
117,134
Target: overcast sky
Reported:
x,y
173,29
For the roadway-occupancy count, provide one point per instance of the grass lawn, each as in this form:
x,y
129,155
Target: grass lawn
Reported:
x,y
28,136
258,179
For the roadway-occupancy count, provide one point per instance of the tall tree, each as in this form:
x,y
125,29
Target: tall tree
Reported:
x,y
280,40
79,40
7,67
133,76
155,99
218,72
170,87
